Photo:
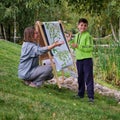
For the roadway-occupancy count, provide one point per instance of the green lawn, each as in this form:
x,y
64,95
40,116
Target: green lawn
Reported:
x,y
20,102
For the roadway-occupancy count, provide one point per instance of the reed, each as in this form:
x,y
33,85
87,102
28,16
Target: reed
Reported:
x,y
107,57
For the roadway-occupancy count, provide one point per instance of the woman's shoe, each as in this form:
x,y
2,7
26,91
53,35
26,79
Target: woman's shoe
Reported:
x,y
33,85
26,82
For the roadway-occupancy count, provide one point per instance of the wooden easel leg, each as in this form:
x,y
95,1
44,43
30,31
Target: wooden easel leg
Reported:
x,y
57,80
62,76
55,74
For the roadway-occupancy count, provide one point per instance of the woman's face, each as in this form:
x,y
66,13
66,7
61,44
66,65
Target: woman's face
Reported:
x,y
82,27
35,34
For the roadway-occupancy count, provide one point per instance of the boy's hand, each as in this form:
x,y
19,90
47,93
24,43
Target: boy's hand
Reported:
x,y
68,36
74,45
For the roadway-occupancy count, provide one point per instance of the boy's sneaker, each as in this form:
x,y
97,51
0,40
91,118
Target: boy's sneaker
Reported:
x,y
77,97
91,100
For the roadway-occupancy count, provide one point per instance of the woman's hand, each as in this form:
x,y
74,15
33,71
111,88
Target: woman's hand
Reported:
x,y
55,44
58,43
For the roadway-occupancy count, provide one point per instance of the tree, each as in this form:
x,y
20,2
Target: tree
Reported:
x,y
19,14
106,12
8,10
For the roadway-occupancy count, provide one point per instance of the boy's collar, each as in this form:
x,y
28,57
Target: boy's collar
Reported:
x,y
82,32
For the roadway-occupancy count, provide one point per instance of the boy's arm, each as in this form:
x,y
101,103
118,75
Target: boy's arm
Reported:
x,y
88,46
72,42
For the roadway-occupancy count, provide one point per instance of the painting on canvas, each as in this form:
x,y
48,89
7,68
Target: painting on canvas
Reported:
x,y
61,54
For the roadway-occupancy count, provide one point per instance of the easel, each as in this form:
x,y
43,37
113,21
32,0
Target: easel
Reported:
x,y
43,42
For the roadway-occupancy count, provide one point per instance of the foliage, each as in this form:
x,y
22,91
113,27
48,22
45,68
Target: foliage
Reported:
x,y
20,102
107,61
27,12
100,14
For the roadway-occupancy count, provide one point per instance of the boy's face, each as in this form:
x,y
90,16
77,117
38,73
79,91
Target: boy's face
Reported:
x,y
82,27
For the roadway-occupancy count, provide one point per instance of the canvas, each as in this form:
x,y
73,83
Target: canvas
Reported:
x,y
62,56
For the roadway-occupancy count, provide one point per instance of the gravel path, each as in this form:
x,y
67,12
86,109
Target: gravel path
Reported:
x,y
71,83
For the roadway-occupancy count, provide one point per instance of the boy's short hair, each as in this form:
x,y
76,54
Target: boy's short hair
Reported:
x,y
83,20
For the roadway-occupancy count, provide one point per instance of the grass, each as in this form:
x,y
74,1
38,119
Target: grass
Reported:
x,y
19,102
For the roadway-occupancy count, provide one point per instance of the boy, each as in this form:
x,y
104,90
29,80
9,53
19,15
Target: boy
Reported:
x,y
83,45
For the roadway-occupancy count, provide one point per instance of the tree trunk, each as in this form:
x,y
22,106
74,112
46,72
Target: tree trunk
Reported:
x,y
113,33
119,30
14,28
3,32
9,33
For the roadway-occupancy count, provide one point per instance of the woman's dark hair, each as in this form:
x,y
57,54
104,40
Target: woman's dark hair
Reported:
x,y
83,20
29,34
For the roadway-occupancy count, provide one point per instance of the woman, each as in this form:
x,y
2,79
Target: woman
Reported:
x,y
29,69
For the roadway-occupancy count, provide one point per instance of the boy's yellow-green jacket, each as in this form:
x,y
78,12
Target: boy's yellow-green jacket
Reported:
x,y
85,45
